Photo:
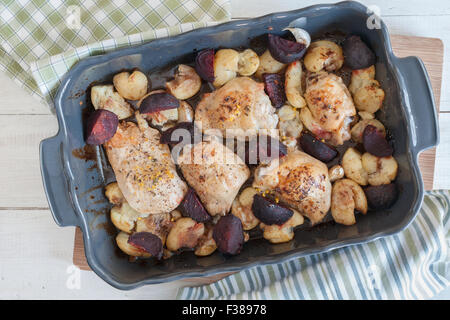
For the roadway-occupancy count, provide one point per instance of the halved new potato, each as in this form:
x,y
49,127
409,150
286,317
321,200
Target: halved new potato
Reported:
x,y
346,197
113,193
323,55
367,93
185,112
353,167
358,129
293,85
267,64
225,66
157,224
284,233
185,233
242,208
124,217
248,62
379,170
122,243
186,83
336,172
206,244
104,97
131,86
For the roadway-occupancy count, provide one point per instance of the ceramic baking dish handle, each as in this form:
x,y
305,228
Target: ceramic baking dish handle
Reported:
x,y
420,104
56,184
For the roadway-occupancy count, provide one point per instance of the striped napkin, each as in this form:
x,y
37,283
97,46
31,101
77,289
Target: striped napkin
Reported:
x,y
413,264
42,39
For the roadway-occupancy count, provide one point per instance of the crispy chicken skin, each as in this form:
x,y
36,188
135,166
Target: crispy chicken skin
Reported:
x,y
330,107
215,172
240,104
300,181
144,169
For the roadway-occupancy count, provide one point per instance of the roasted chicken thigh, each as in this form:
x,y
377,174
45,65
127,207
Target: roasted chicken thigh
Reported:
x,y
241,104
215,172
298,180
330,108
144,169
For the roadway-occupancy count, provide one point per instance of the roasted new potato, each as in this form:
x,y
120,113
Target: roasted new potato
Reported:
x,y
124,217
185,112
157,224
323,55
131,86
358,129
379,170
353,167
122,243
366,91
113,193
186,83
293,85
290,125
104,97
242,208
185,233
206,244
267,64
336,172
346,197
225,66
284,233
248,62
160,118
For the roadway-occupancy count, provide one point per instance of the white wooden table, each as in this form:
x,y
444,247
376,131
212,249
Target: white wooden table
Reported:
x,y
36,255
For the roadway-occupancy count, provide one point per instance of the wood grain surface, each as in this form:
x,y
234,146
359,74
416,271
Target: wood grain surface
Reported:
x,y
430,50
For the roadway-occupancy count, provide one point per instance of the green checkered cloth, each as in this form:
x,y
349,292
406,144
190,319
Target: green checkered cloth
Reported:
x,y
42,39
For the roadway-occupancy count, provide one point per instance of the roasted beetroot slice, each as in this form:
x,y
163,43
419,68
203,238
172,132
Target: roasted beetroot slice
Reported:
x,y
101,126
229,235
158,102
357,54
381,197
264,149
274,87
285,51
204,64
317,148
375,143
192,207
270,212
270,148
148,242
182,132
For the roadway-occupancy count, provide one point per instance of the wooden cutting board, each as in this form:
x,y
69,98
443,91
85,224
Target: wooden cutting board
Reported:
x,y
430,50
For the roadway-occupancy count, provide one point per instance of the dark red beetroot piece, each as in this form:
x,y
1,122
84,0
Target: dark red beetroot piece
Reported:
x,y
229,235
285,51
148,242
204,64
381,197
270,212
317,148
274,87
101,126
192,207
158,102
375,143
357,54
263,149
182,132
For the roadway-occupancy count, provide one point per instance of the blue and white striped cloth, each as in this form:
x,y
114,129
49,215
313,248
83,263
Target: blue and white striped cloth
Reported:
x,y
413,264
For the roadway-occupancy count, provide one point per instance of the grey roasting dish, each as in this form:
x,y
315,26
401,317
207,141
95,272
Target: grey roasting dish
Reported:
x,y
74,191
